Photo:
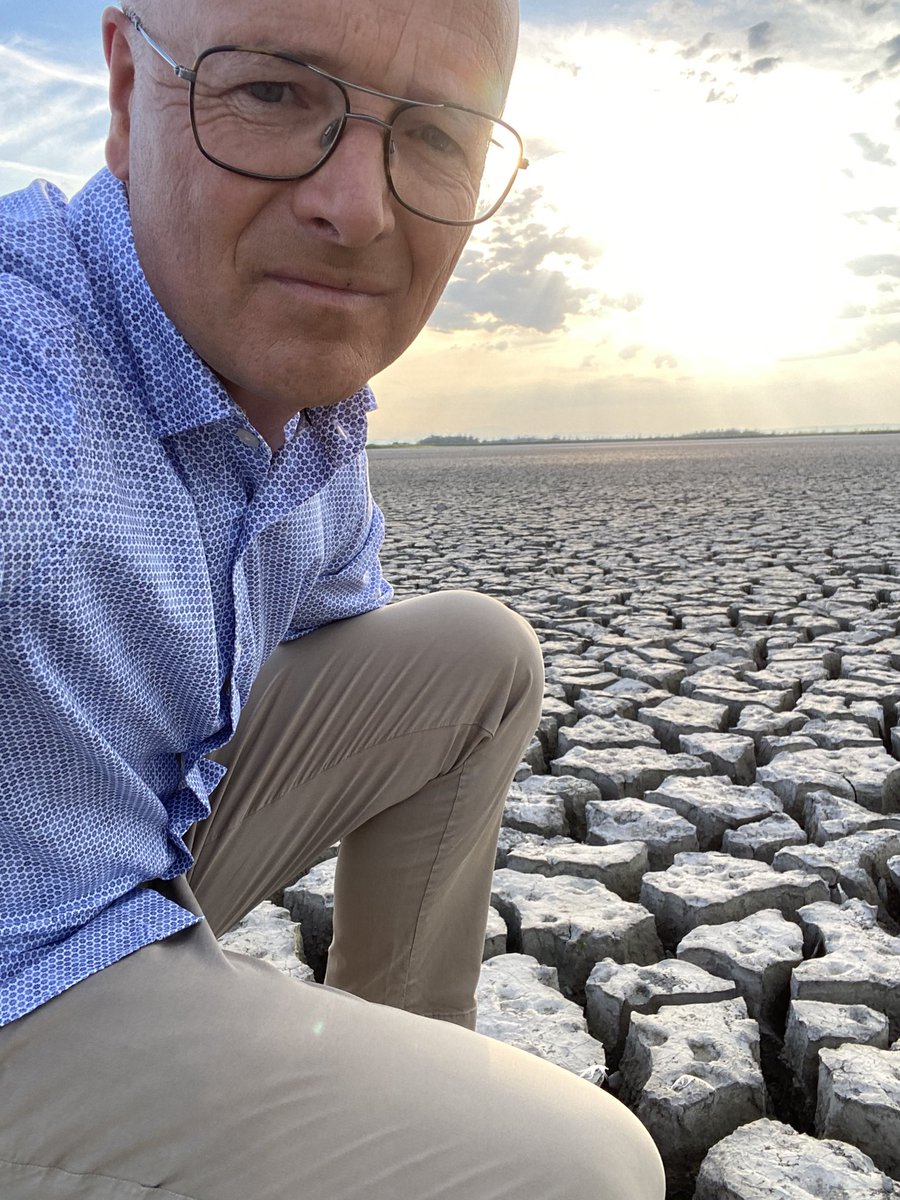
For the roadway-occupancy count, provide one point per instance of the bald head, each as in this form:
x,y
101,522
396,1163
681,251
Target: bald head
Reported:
x,y
492,23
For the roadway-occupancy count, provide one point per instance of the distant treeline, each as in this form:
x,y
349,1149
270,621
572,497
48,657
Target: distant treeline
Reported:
x,y
466,439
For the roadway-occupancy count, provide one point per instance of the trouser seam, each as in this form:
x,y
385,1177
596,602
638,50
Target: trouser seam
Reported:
x,y
427,887
157,1191
326,767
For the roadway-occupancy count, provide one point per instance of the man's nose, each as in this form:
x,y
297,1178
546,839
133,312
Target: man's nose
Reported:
x,y
348,199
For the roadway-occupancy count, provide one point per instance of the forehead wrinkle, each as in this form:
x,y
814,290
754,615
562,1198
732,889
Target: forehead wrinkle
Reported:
x,y
465,54
463,50
471,71
493,30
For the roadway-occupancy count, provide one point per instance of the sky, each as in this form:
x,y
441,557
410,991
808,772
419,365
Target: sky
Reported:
x,y
707,235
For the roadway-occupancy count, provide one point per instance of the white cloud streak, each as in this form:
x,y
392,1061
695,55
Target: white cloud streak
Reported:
x,y
53,118
22,65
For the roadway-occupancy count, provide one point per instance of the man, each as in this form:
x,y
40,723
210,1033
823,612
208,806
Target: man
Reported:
x,y
183,364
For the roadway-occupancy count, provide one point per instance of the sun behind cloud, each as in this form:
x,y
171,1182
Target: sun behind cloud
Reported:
x,y
700,216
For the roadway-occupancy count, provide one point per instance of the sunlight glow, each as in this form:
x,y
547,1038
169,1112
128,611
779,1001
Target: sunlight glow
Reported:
x,y
726,217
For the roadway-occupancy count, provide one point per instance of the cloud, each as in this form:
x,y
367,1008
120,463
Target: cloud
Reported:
x,y
762,66
891,50
698,47
881,213
759,36
857,38
876,264
503,299
504,282
876,152
630,351
628,302
50,113
875,332
562,12
28,66
892,46
882,335
540,148
665,360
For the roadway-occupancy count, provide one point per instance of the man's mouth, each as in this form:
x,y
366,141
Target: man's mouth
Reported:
x,y
330,285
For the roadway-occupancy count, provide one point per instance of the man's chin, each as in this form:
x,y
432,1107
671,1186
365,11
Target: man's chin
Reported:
x,y
255,394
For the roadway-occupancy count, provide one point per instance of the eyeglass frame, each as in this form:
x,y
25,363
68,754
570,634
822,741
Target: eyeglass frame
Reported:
x,y
189,75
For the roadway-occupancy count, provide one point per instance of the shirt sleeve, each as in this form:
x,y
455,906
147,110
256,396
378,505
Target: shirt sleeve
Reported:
x,y
351,582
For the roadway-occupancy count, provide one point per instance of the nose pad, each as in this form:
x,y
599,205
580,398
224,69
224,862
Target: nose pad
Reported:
x,y
330,133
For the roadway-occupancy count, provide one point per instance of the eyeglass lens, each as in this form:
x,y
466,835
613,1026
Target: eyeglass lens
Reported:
x,y
266,115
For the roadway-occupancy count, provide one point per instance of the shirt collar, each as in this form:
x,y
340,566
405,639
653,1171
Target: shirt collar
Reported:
x,y
177,388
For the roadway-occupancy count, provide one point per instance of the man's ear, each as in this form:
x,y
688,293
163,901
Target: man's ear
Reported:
x,y
117,48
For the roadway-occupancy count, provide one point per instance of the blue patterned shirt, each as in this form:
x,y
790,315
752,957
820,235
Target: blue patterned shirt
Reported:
x,y
153,552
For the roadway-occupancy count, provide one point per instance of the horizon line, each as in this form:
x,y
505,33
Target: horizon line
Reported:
x,y
464,439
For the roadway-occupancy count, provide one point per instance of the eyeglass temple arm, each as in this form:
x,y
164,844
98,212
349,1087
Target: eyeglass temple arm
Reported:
x,y
182,72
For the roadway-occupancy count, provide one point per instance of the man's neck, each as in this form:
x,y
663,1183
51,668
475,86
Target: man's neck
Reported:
x,y
265,417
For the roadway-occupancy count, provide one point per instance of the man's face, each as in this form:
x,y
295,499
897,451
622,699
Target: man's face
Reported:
x,y
296,293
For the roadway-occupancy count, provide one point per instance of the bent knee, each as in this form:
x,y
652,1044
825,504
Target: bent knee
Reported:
x,y
607,1152
492,636
569,1139
479,619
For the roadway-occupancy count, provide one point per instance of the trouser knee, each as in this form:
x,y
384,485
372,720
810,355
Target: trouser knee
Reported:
x,y
499,647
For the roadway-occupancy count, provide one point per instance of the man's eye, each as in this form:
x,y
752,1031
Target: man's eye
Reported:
x,y
439,141
267,93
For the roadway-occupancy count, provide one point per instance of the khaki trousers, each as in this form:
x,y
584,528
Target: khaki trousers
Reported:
x,y
187,1072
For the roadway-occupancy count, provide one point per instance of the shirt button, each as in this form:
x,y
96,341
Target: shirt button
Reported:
x,y
248,438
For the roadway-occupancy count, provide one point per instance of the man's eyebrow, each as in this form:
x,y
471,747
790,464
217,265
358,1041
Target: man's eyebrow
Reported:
x,y
424,94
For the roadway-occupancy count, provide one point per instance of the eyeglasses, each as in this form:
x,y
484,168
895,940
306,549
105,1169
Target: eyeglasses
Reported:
x,y
271,116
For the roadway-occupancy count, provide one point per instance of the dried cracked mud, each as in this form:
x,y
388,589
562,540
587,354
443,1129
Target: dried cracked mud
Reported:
x,y
710,811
